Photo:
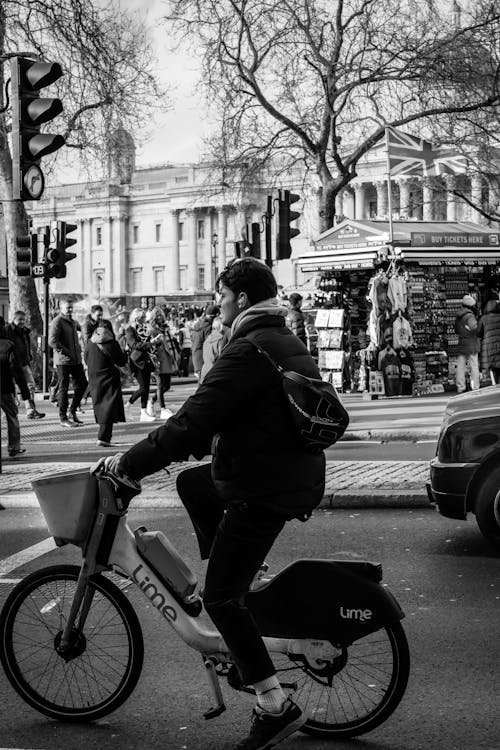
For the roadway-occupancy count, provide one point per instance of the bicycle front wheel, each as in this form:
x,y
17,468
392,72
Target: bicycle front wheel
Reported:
x,y
356,692
105,660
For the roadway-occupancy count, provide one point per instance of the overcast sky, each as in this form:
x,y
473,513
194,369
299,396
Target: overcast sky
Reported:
x,y
178,133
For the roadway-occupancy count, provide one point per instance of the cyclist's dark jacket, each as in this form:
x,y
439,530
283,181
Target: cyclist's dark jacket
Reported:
x,y
239,415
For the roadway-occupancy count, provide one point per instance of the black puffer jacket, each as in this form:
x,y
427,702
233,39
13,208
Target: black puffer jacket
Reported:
x,y
488,330
295,322
239,413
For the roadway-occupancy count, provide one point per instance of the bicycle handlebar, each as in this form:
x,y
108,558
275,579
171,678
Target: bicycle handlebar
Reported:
x,y
124,485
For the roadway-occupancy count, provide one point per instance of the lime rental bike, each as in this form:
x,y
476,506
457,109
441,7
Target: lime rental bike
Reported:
x,y
71,643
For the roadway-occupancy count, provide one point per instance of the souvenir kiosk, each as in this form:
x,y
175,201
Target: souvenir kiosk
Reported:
x,y
386,311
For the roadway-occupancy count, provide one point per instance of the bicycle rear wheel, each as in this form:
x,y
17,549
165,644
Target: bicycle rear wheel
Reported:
x,y
106,657
368,681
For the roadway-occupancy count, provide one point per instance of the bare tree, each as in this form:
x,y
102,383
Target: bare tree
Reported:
x,y
314,82
108,79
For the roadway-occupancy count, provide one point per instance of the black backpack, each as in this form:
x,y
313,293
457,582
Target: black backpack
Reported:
x,y
314,405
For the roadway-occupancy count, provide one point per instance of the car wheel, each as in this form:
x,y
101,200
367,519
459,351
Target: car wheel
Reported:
x,y
487,508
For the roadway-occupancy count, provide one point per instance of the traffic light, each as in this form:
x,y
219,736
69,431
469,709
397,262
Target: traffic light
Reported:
x,y
29,112
56,256
255,239
239,248
26,254
285,217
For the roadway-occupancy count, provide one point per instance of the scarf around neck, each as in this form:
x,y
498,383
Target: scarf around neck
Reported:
x,y
269,306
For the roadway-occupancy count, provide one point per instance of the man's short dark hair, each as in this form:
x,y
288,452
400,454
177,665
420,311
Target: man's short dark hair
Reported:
x,y
19,312
295,298
250,276
95,308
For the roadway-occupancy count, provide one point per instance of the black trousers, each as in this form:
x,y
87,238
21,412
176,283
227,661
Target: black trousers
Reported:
x,y
77,374
163,383
143,378
105,431
235,537
184,362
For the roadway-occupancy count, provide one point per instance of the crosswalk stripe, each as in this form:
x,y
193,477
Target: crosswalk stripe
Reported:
x,y
25,556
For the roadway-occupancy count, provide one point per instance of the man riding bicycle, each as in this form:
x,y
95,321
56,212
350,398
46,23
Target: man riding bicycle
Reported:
x,y
260,475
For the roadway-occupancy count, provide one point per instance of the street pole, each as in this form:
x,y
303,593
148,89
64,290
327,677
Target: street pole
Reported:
x,y
45,341
269,213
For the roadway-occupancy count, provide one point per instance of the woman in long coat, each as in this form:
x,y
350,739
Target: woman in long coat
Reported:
x,y
166,349
104,356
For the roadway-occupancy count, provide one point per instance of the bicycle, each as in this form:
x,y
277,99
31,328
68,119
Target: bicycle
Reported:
x,y
71,643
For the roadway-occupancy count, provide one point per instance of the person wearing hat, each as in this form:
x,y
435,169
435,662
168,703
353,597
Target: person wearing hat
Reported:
x,y
295,318
468,343
199,332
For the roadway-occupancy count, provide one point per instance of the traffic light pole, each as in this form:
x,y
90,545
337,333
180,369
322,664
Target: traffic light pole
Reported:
x,y
269,249
45,339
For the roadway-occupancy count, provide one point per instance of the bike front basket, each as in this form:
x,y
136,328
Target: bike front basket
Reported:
x,y
68,501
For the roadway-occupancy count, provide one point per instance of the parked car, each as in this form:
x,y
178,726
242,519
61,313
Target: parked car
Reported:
x,y
465,473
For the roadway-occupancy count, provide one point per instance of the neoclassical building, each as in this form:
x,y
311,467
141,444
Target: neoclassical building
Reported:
x,y
165,231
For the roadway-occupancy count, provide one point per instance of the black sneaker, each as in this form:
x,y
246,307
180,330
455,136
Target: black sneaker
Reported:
x,y
73,418
65,422
34,414
269,729
15,452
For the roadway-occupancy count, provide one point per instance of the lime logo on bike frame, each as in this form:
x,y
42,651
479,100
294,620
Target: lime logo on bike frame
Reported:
x,y
356,614
151,592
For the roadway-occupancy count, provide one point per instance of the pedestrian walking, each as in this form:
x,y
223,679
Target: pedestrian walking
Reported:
x,y
11,373
468,344
295,317
488,332
199,332
166,351
260,477
95,319
19,334
64,340
104,357
138,321
212,346
186,345
141,366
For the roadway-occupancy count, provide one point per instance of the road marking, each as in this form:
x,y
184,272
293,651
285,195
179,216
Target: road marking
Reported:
x,y
26,556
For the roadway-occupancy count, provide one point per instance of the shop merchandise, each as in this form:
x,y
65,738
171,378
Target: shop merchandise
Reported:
x,y
377,292
401,332
407,372
388,365
397,291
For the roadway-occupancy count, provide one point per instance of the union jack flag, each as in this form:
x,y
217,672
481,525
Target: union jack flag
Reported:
x,y
409,155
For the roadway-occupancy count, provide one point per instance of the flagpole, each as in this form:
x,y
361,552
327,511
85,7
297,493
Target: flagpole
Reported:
x,y
389,191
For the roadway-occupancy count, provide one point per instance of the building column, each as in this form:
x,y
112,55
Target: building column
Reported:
x,y
108,260
90,256
476,190
382,199
427,199
451,200
120,254
208,251
240,221
84,255
175,258
348,203
404,197
192,251
359,200
221,238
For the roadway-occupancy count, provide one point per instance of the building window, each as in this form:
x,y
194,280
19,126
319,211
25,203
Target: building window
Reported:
x,y
183,277
98,235
158,232
159,279
136,280
135,234
181,231
201,277
201,229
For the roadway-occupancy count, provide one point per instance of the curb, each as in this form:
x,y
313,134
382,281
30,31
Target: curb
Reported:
x,y
389,436
363,497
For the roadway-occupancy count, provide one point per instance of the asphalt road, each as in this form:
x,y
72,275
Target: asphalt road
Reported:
x,y
441,572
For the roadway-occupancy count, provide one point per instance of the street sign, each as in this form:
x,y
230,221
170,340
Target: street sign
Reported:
x,y
37,270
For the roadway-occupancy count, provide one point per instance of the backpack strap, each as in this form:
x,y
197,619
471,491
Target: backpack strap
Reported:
x,y
266,355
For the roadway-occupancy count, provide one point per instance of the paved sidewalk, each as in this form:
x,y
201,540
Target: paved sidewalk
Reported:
x,y
348,484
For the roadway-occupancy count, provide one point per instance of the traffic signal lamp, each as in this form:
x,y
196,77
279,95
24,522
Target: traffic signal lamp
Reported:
x,y
26,254
254,240
285,217
29,112
56,255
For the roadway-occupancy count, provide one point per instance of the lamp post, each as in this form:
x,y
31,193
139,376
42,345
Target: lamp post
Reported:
x,y
213,256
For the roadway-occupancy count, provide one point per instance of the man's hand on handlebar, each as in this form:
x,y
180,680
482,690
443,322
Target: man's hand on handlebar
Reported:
x,y
111,464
